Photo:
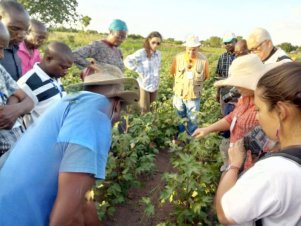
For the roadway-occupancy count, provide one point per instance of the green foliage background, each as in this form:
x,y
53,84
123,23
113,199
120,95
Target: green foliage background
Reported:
x,y
192,187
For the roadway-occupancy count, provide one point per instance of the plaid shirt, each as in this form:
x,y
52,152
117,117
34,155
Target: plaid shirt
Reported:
x,y
7,87
243,117
224,63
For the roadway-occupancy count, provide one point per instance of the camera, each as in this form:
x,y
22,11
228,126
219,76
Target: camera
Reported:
x,y
231,96
257,142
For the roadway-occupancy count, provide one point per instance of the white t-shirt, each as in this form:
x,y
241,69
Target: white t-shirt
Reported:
x,y
270,190
275,57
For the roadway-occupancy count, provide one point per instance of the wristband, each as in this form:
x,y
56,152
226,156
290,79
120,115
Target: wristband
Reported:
x,y
230,167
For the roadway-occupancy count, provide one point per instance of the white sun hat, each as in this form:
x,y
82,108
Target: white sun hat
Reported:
x,y
245,72
192,41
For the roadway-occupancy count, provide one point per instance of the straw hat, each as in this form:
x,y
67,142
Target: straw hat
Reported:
x,y
127,89
192,41
245,72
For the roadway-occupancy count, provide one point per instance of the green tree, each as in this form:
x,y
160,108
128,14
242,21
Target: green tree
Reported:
x,y
214,41
85,20
52,11
287,47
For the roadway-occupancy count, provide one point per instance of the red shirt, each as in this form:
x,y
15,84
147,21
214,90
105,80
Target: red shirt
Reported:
x,y
242,119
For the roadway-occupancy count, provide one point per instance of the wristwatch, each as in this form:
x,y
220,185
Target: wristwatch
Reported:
x,y
230,167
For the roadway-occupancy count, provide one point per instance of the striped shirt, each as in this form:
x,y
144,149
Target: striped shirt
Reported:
x,y
148,69
42,89
242,119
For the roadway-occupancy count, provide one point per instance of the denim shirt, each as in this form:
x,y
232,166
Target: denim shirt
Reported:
x,y
11,62
148,69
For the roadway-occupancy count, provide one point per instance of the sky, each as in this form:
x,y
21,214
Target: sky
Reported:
x,y
179,18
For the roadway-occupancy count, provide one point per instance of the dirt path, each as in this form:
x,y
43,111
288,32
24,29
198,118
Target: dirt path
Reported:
x,y
132,212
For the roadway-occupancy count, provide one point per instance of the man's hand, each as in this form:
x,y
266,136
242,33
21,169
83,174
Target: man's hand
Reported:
x,y
237,153
8,116
200,132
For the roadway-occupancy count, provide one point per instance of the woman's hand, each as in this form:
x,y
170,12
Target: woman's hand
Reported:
x,y
200,132
237,153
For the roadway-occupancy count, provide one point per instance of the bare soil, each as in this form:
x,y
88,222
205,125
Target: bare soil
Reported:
x,y
132,212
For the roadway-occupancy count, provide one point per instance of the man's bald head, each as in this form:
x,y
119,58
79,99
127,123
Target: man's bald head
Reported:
x,y
4,34
36,25
59,49
4,39
37,34
57,59
241,48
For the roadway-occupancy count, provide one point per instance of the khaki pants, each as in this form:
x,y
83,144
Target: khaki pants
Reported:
x,y
146,98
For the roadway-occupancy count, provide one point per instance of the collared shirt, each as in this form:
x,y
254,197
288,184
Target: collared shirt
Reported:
x,y
11,62
101,51
147,68
42,89
28,59
242,118
73,136
8,87
224,63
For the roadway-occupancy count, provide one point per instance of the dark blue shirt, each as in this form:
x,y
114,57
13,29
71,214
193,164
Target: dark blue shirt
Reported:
x,y
224,63
11,62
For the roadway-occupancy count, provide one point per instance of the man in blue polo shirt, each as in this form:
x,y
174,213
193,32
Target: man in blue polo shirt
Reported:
x,y
48,172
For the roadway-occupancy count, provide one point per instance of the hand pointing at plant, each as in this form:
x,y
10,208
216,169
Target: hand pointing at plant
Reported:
x,y
200,132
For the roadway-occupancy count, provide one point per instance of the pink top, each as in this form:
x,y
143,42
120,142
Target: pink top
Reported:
x,y
27,60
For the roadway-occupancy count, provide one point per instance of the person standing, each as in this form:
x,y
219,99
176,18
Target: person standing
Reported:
x,y
28,49
260,43
269,192
190,69
42,83
146,62
103,51
13,102
222,70
16,19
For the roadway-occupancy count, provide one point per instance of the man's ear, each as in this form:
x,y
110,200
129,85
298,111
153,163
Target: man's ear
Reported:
x,y
48,58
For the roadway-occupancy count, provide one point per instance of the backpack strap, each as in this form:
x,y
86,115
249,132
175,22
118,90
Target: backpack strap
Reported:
x,y
292,153
283,58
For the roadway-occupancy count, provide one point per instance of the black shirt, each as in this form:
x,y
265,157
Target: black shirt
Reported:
x,y
11,62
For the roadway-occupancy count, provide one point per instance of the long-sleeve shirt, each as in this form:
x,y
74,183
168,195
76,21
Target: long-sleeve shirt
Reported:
x,y
101,51
11,62
224,63
148,69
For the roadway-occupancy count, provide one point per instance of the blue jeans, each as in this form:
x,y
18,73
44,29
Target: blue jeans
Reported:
x,y
187,109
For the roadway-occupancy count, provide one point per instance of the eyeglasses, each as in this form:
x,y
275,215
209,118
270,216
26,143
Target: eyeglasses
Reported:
x,y
158,43
228,43
257,48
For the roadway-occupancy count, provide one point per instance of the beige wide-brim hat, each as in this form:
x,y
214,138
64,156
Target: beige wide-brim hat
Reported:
x,y
127,89
245,72
192,41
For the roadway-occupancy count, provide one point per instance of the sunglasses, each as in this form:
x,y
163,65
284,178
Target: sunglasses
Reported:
x,y
158,43
228,43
